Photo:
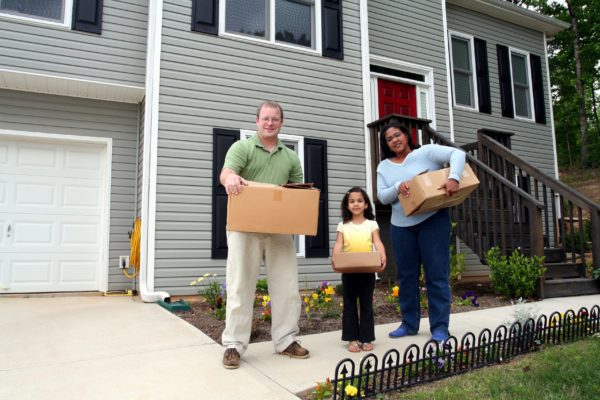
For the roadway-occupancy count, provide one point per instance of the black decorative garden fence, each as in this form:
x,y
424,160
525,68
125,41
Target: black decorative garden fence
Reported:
x,y
436,361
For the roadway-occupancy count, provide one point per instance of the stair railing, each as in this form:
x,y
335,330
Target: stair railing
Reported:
x,y
563,206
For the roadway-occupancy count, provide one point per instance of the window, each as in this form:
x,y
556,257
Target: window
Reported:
x,y
52,11
521,84
291,22
463,83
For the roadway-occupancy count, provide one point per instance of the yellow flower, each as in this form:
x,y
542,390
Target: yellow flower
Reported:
x,y
266,298
306,299
351,391
329,290
327,299
395,290
315,296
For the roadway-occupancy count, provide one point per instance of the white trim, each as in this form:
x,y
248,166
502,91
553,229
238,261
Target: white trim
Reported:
x,y
66,22
549,91
427,85
150,163
367,90
524,53
474,92
448,71
102,273
299,140
270,28
65,86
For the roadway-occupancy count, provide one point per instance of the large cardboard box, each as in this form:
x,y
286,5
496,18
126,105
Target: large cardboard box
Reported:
x,y
266,208
348,263
425,194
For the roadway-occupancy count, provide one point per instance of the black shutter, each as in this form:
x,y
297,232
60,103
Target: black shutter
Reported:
x,y
87,16
505,81
205,16
537,83
315,167
483,76
331,24
222,141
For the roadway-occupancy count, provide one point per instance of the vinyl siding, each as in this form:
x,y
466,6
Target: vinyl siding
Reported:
x,y
118,55
412,31
531,141
30,112
209,81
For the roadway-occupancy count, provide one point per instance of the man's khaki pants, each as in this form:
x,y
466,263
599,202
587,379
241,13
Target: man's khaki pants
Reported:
x,y
247,251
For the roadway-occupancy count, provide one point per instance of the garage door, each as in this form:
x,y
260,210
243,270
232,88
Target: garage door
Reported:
x,y
52,199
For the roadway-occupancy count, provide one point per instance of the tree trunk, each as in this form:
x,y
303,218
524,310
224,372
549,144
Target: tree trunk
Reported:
x,y
580,88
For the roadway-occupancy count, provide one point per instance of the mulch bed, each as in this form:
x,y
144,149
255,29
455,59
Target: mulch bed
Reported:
x,y
202,317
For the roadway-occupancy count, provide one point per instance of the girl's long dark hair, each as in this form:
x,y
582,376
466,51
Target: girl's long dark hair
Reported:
x,y
385,149
347,215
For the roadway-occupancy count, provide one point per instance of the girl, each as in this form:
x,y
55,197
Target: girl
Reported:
x,y
358,233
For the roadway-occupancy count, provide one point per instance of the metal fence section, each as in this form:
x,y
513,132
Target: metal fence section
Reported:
x,y
396,371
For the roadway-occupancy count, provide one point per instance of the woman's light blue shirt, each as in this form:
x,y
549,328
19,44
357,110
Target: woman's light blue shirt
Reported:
x,y
429,157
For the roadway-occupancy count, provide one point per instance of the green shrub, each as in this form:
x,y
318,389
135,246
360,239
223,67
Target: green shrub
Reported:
x,y
457,261
515,276
262,286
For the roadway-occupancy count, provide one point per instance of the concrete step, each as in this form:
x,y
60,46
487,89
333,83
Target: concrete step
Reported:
x,y
570,287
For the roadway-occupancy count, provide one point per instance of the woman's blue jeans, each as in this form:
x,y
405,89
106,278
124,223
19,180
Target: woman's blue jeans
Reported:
x,y
426,243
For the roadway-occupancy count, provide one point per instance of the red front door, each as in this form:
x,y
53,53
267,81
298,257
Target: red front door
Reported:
x,y
396,98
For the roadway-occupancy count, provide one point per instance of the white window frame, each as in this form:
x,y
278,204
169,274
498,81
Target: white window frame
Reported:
x,y
316,21
525,54
298,141
470,40
422,87
66,23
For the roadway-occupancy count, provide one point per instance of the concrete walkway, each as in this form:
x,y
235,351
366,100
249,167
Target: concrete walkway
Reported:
x,y
96,347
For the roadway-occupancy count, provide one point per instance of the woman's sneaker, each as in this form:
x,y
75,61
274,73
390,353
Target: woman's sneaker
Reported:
x,y
231,358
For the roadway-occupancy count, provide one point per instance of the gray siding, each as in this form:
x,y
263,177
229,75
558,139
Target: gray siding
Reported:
x,y
531,141
412,31
32,112
117,55
209,81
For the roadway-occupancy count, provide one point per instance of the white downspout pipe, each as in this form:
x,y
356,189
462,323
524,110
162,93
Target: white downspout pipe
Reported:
x,y
152,86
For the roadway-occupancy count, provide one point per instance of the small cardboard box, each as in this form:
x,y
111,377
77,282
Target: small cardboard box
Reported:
x,y
266,208
348,263
425,194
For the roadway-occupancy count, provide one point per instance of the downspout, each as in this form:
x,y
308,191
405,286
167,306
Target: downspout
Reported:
x,y
148,214
448,72
366,84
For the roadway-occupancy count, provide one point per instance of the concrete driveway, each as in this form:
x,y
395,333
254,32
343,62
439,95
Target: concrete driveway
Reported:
x,y
96,347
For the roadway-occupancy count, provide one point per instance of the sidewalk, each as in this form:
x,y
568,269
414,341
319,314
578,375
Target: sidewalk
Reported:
x,y
95,347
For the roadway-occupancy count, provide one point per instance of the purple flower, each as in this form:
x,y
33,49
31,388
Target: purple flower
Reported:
x,y
440,362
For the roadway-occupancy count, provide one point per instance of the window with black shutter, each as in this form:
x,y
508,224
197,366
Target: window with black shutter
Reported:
x,y
537,83
483,76
506,102
315,167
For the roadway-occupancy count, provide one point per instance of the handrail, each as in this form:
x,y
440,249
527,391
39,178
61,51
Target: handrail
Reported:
x,y
554,184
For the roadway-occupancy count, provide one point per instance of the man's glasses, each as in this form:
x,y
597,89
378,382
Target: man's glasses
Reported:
x,y
394,136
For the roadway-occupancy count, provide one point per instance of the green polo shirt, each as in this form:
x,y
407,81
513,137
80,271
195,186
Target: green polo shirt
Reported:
x,y
249,159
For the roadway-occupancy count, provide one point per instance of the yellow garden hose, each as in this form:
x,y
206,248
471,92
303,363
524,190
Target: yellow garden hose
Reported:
x,y
134,254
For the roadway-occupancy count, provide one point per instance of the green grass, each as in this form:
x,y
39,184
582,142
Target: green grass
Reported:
x,y
569,371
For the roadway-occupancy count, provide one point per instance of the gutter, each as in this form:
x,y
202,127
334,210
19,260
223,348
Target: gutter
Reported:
x,y
148,213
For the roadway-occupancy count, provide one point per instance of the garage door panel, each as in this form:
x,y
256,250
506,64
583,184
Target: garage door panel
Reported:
x,y
52,196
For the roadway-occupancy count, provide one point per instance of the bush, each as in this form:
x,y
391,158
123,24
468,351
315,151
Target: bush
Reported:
x,y
262,286
515,276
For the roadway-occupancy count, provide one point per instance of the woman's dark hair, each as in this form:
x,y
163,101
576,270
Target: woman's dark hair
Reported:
x,y
347,215
385,149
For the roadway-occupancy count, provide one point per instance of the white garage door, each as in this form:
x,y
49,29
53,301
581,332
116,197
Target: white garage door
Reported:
x,y
52,199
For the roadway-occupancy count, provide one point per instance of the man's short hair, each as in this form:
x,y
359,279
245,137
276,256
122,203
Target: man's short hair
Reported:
x,y
269,104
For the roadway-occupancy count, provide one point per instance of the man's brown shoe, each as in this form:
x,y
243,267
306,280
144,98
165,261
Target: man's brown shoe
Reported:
x,y
294,350
231,359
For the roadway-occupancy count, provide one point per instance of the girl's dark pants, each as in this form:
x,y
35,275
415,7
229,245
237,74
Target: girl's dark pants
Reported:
x,y
358,287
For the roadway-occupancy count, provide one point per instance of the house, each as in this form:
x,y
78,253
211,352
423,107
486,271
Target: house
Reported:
x,y
111,110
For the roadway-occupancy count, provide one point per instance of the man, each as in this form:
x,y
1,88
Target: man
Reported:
x,y
261,158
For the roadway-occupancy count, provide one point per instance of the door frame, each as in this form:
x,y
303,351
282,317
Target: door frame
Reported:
x,y
426,86
102,273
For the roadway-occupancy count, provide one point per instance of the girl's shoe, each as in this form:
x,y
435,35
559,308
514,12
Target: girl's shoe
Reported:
x,y
353,347
367,346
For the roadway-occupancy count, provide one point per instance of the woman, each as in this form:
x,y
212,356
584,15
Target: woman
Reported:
x,y
418,239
